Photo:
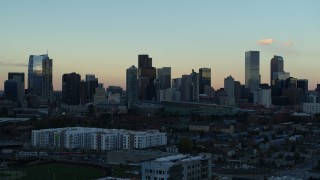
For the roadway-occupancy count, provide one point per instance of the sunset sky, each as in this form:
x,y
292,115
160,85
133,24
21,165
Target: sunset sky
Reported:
x,y
104,37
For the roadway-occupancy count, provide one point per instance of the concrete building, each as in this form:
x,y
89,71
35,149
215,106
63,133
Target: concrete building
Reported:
x,y
264,97
185,167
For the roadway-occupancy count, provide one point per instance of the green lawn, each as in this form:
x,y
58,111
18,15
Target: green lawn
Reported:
x,y
57,171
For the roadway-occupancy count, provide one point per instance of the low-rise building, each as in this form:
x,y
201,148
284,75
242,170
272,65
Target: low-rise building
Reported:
x,y
183,166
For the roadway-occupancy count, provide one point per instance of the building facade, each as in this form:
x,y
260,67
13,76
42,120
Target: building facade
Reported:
x,y
40,76
252,70
132,85
96,138
71,88
178,166
19,78
204,79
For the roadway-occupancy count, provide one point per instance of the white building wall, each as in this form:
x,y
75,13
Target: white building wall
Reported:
x,y
90,138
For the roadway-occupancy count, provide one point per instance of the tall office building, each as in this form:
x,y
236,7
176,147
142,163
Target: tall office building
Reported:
x,y
164,77
40,76
229,88
276,66
47,88
190,87
83,91
132,85
185,88
204,79
19,77
195,86
146,78
252,70
144,61
92,83
11,90
71,88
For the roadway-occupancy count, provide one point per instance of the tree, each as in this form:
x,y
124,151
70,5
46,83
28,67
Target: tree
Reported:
x,y
185,145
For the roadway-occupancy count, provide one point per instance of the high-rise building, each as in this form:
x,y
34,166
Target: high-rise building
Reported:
x,y
144,61
11,90
92,84
19,77
132,85
83,91
47,88
146,78
229,88
190,87
71,88
276,66
100,95
195,86
252,70
303,84
204,79
40,76
114,90
164,77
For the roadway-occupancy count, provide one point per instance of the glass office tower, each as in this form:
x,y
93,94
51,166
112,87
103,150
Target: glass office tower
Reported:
x,y
252,70
40,76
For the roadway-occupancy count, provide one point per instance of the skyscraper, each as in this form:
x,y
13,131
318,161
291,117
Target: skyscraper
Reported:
x,y
132,85
71,88
252,70
204,79
19,77
11,90
164,77
146,77
190,87
40,76
229,88
276,66
92,83
144,61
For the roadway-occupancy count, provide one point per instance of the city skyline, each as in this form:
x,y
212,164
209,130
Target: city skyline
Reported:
x,y
107,40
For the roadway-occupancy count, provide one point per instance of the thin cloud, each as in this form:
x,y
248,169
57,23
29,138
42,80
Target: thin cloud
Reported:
x,y
287,44
268,41
285,48
5,64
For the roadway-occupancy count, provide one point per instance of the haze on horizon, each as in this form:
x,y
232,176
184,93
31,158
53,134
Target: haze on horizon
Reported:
x,y
105,37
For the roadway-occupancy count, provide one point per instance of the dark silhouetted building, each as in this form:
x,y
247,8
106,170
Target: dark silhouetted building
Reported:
x,y
164,77
19,77
144,61
204,79
71,89
92,84
146,78
11,90
132,85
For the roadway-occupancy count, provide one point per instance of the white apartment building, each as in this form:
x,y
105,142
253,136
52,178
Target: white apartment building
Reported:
x,y
96,138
